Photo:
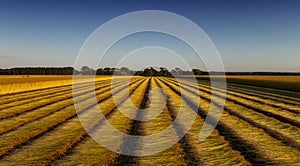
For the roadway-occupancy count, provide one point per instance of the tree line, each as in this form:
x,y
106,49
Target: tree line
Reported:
x,y
38,71
85,70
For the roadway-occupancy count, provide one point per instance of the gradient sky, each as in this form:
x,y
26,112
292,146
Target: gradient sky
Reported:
x,y
260,35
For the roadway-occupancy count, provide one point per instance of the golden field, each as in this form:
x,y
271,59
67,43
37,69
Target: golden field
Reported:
x,y
18,83
40,126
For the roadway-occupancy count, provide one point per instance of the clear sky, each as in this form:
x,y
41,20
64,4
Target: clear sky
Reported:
x,y
256,35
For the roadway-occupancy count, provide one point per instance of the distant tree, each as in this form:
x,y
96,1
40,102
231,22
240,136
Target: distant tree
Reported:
x,y
138,73
114,71
178,71
164,72
107,71
132,72
100,71
150,72
153,71
197,72
146,72
124,71
39,71
173,72
85,70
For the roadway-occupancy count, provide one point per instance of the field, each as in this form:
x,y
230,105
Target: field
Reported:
x,y
258,125
18,83
290,83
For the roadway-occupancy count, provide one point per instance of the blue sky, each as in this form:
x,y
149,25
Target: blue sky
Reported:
x,y
260,35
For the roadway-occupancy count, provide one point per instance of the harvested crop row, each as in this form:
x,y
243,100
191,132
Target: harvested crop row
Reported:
x,y
50,146
283,96
282,86
180,115
266,95
17,97
12,123
276,104
89,151
280,83
270,96
47,91
275,92
282,115
37,128
274,97
127,125
31,84
88,87
173,155
47,98
37,92
259,92
15,100
257,146
20,109
214,150
284,132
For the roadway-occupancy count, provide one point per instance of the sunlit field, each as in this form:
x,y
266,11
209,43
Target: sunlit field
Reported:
x,y
39,123
18,83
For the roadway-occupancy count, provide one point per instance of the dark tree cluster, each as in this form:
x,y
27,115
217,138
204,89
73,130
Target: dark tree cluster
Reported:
x,y
114,71
85,70
153,72
166,73
38,71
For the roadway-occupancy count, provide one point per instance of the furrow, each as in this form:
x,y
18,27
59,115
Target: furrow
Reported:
x,y
129,146
256,91
31,131
276,104
256,145
190,154
172,154
45,98
89,151
36,92
284,132
290,95
270,96
21,109
214,150
16,101
15,122
282,115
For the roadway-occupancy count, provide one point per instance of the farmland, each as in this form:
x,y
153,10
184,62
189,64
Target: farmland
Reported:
x,y
39,124
290,83
18,83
